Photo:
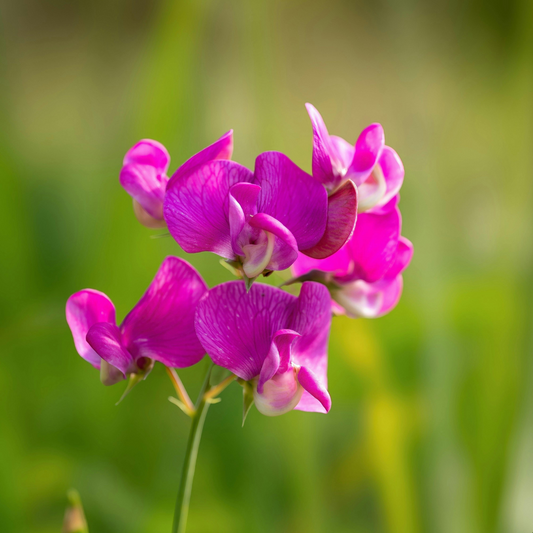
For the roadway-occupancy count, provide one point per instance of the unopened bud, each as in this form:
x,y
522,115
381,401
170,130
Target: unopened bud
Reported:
x,y
74,516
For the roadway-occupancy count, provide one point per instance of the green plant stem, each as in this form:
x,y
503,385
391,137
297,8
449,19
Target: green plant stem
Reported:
x,y
187,474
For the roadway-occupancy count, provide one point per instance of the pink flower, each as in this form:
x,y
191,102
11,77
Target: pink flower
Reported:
x,y
258,221
373,167
144,174
273,340
364,277
159,328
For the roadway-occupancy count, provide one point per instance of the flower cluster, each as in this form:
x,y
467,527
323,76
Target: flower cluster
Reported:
x,y
338,229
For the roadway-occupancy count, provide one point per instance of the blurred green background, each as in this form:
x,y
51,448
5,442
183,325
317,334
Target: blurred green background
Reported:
x,y
431,428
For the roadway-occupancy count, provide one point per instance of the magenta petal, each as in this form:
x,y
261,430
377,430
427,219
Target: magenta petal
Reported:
x,y
84,309
393,172
220,149
392,291
344,151
242,204
236,328
316,389
285,250
373,245
326,168
291,196
146,186
146,219
269,368
161,325
284,339
279,356
383,209
371,140
236,221
150,153
246,194
368,148
304,264
342,215
369,300
280,394
312,319
105,339
339,263
197,205
404,254
360,299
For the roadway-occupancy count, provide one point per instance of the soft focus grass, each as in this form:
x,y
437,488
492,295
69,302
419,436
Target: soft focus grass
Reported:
x,y
432,408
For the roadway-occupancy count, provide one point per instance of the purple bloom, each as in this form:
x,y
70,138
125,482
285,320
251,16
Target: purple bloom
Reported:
x,y
144,175
257,220
375,168
273,339
159,328
364,277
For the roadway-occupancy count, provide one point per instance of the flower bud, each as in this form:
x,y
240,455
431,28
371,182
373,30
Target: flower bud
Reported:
x,y
74,521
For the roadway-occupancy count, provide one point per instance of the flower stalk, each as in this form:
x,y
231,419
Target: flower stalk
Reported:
x,y
189,464
217,389
186,404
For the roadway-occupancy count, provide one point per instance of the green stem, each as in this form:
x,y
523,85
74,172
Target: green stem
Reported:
x,y
187,474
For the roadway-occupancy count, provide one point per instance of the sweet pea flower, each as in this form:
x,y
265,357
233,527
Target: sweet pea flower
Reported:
x,y
364,277
373,167
144,175
275,341
159,328
257,221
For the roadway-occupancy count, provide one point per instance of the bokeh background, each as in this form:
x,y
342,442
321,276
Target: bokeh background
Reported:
x,y
431,428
